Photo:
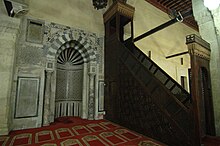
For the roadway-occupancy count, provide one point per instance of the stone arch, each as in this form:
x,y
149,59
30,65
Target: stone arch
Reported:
x,y
87,48
79,42
87,53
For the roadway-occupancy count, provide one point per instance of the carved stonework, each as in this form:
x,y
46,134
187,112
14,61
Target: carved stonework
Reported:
x,y
197,46
33,57
53,31
91,106
120,7
100,55
30,55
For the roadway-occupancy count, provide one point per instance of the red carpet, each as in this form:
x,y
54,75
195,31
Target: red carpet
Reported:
x,y
73,131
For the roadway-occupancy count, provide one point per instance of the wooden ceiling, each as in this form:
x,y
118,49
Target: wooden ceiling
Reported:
x,y
178,5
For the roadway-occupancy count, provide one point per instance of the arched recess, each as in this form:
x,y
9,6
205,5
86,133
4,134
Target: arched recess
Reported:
x,y
86,48
69,87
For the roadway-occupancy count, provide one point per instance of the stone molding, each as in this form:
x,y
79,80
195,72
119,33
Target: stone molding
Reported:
x,y
61,42
120,7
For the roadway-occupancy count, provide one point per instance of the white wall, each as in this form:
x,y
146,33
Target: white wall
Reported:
x,y
73,13
168,41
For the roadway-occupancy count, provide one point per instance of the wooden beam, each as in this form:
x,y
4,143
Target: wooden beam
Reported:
x,y
178,54
164,25
158,28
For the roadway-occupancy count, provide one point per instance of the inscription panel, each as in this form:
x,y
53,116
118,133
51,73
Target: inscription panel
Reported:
x,y
27,98
34,32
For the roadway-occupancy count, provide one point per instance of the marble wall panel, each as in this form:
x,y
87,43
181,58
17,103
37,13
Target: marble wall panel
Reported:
x,y
27,99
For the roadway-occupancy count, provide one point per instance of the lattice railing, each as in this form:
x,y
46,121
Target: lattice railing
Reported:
x,y
68,108
174,87
171,113
138,111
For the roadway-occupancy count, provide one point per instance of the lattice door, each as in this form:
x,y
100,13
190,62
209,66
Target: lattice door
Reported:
x,y
68,92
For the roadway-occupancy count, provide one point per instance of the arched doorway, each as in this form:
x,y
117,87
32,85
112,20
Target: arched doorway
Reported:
x,y
69,83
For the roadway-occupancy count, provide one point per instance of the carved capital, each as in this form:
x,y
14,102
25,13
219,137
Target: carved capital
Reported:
x,y
120,7
92,68
194,49
48,72
197,46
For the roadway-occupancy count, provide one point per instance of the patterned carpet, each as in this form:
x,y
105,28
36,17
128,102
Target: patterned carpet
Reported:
x,y
72,131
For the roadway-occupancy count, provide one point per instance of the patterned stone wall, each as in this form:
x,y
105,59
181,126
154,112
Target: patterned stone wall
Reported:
x,y
32,52
38,48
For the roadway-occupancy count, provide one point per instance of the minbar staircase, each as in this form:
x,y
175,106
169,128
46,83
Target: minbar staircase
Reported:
x,y
168,82
141,81
143,97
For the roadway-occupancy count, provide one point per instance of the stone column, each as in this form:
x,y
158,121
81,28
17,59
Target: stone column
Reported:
x,y
47,96
91,102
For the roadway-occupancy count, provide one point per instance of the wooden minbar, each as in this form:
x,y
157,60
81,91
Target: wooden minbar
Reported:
x,y
201,92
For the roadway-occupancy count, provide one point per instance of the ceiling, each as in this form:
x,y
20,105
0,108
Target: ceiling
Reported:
x,y
177,5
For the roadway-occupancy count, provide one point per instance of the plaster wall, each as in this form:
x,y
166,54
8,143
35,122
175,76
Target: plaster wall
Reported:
x,y
168,41
77,13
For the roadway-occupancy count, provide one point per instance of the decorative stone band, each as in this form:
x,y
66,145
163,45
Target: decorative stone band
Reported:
x,y
69,40
120,7
197,46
